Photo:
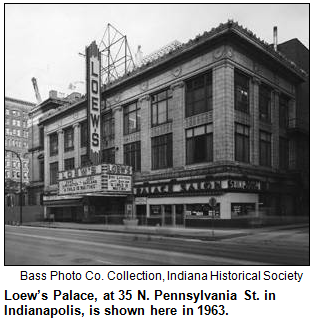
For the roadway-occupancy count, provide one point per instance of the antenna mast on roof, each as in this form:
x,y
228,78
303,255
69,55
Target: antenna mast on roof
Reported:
x,y
116,57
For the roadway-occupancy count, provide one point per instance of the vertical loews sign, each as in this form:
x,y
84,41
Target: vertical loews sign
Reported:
x,y
93,89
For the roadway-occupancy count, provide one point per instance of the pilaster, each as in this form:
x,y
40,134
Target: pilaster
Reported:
x,y
144,103
178,132
254,111
275,129
60,149
223,112
77,144
118,131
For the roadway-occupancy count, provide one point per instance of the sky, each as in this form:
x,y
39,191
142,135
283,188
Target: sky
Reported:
x,y
43,41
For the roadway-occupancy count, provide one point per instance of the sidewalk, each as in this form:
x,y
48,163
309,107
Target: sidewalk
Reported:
x,y
179,232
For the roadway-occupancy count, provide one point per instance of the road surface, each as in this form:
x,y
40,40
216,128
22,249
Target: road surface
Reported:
x,y
51,246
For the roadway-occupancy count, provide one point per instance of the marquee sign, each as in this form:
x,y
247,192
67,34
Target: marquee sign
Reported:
x,y
93,89
102,178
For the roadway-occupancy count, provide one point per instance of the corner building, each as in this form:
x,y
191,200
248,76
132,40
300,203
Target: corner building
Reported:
x,y
207,129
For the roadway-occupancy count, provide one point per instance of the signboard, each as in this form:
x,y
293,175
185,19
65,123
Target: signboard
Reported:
x,y
102,178
93,89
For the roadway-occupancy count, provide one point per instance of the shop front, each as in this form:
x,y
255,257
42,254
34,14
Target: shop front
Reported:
x,y
179,203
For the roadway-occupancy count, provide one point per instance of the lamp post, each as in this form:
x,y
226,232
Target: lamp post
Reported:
x,y
21,184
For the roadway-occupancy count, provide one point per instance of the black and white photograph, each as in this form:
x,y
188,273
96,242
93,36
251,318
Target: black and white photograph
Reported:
x,y
156,134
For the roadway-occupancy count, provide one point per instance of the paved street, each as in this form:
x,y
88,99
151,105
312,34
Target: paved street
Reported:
x,y
26,245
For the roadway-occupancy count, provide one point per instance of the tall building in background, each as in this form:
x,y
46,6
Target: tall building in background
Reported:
x,y
16,139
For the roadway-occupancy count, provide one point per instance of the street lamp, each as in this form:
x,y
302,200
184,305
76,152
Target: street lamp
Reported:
x,y
21,183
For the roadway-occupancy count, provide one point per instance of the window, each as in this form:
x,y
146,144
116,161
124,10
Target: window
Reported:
x,y
264,103
199,95
25,124
14,164
84,133
69,164
17,174
41,137
283,111
7,131
18,123
199,144
84,160
241,92
132,118
108,127
108,155
25,175
283,153
7,112
162,152
53,141
7,174
18,132
24,164
160,107
7,163
53,173
242,143
25,134
25,144
68,139
265,148
7,121
132,155
41,170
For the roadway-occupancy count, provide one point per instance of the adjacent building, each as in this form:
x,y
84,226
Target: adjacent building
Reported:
x,y
211,129
16,140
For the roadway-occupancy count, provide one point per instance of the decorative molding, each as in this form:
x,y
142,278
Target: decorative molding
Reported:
x,y
177,85
161,129
144,85
256,80
218,52
196,120
176,71
76,125
75,115
117,97
146,97
229,51
132,138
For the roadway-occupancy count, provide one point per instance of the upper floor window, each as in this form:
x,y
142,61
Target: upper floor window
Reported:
x,y
54,173
162,152
242,143
41,137
265,148
160,107
84,160
283,153
264,103
241,92
7,111
69,164
84,134
108,155
68,139
199,144
283,111
132,155
53,144
132,118
16,113
7,121
199,95
108,127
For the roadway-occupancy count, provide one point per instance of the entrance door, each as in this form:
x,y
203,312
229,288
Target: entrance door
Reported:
x,y
179,215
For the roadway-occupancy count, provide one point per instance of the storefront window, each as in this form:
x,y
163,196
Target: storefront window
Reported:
x,y
242,209
202,211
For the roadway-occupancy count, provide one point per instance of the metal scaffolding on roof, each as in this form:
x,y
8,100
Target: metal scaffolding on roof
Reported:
x,y
116,57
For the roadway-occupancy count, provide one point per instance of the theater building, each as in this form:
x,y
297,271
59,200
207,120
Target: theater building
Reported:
x,y
210,129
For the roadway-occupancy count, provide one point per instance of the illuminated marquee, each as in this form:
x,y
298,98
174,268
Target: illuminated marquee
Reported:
x,y
93,88
102,178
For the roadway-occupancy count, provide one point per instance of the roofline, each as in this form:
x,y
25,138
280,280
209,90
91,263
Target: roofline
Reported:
x,y
200,40
24,102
